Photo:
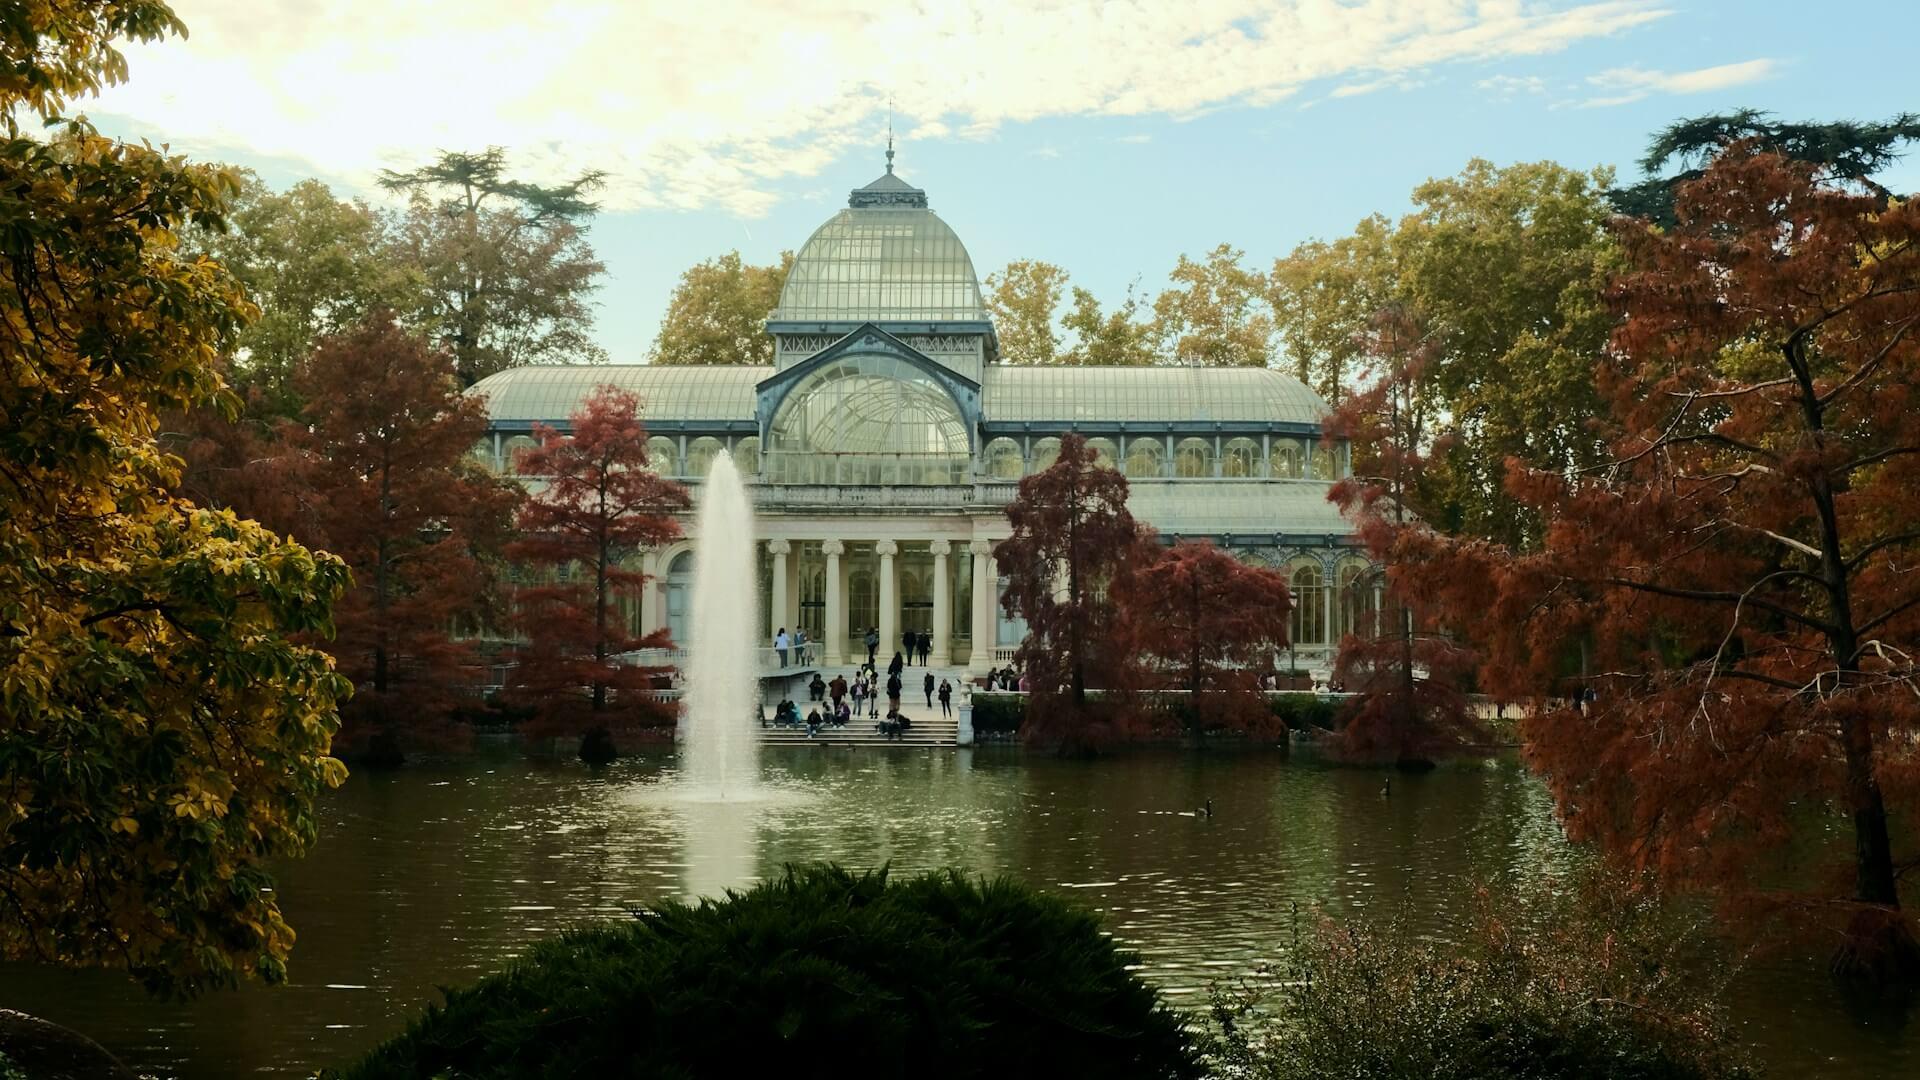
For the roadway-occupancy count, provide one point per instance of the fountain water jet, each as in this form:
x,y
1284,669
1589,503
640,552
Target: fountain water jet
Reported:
x,y
718,736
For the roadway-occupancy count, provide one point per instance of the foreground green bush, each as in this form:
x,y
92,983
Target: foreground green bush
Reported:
x,y
821,973
1580,985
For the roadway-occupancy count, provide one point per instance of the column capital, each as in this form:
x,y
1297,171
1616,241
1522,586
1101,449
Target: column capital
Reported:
x,y
832,547
779,547
980,547
886,547
942,547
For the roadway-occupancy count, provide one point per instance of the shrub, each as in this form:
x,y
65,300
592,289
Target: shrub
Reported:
x,y
998,713
1302,712
819,973
1595,984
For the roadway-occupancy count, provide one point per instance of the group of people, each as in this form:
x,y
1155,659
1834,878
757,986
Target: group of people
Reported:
x,y
912,645
1007,679
833,704
794,647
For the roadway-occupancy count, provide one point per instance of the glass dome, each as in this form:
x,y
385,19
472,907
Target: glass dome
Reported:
x,y
882,264
867,419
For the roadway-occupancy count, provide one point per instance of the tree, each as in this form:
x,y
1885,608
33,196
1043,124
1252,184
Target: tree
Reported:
x,y
1743,564
1507,267
1072,540
162,737
1407,675
1024,299
503,266
600,506
1119,338
1845,150
315,266
1217,313
1217,622
390,487
1323,296
718,313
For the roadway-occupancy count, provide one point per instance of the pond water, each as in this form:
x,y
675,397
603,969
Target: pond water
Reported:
x,y
440,873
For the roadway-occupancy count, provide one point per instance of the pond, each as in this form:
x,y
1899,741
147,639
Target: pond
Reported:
x,y
440,873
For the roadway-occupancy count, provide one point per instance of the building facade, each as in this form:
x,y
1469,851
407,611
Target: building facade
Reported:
x,y
882,446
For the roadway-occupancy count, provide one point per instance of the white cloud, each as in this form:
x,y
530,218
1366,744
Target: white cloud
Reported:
x,y
1508,86
726,101
1633,84
1134,139
1044,152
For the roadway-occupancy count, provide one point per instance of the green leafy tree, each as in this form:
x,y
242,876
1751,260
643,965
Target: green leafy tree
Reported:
x,y
1123,337
1024,299
1844,149
1324,295
1507,266
1217,312
503,266
315,266
162,737
718,313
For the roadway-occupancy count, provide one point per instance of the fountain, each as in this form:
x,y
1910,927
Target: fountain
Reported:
x,y
719,738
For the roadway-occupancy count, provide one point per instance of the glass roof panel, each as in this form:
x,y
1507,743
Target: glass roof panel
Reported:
x,y
1020,394
678,393
882,264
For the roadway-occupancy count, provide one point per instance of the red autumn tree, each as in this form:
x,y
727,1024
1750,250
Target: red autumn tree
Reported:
x,y
596,506
383,478
1397,657
1745,566
1214,623
1072,539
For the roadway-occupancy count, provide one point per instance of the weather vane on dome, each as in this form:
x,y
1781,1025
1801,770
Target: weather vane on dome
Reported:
x,y
889,133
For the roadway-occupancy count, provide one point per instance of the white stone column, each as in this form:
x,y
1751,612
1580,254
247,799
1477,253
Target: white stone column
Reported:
x,y
836,628
650,593
889,603
942,606
984,601
777,595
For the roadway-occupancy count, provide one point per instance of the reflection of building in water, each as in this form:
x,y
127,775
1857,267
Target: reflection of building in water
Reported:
x,y
885,440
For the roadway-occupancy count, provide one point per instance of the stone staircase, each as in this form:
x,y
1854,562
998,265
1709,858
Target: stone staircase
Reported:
x,y
929,729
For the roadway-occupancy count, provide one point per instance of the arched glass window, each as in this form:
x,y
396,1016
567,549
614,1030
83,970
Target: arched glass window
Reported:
x,y
1309,605
679,595
1324,462
1105,454
663,456
1146,459
746,457
1004,461
1241,458
867,419
1193,457
482,453
1045,452
1285,459
700,455
1354,583
515,447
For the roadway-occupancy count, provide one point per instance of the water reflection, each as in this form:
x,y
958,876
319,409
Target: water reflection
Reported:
x,y
444,872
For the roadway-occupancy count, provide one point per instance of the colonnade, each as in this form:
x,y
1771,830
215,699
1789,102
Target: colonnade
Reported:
x,y
842,644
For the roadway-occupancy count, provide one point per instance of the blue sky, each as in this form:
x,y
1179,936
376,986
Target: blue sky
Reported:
x,y
1107,138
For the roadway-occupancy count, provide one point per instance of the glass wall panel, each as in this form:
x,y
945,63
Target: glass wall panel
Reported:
x,y
1045,452
1146,458
1193,458
1004,461
1105,453
1286,458
1324,463
1355,582
866,419
515,447
663,456
700,455
746,457
1240,459
1309,605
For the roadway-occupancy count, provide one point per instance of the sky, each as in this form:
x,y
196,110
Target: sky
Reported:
x,y
1108,138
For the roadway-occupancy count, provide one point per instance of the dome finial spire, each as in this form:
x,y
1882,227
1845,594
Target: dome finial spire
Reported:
x,y
889,134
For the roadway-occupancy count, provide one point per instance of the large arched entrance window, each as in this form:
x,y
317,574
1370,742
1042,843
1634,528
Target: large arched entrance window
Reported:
x,y
867,419
679,595
1309,604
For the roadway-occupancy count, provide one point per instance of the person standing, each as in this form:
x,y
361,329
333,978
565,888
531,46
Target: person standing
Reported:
x,y
873,643
781,644
837,689
946,697
799,645
893,691
908,643
926,683
899,664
